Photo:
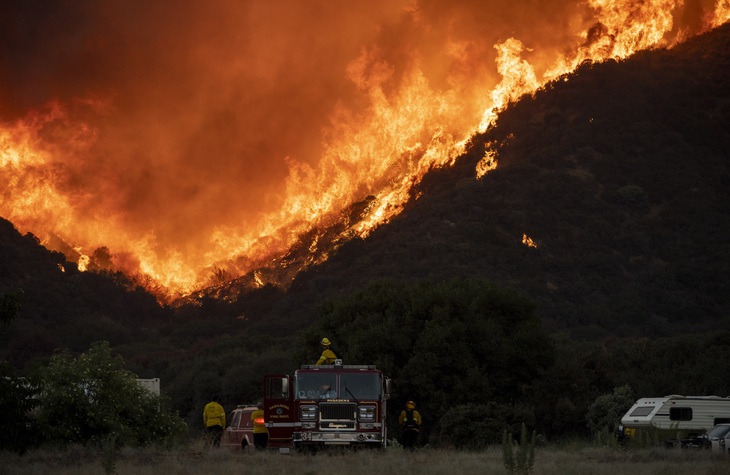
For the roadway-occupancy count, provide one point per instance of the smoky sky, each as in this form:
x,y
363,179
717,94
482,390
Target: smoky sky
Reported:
x,y
207,98
206,103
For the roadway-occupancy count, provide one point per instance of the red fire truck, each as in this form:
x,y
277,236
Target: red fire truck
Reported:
x,y
327,405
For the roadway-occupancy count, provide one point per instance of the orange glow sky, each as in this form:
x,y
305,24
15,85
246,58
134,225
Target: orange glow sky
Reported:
x,y
184,121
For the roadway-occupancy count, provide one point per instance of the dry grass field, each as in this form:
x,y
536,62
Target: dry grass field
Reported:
x,y
196,460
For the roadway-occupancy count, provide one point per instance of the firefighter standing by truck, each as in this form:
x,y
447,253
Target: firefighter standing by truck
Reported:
x,y
410,420
260,432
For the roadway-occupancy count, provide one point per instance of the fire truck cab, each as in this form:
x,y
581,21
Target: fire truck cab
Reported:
x,y
327,405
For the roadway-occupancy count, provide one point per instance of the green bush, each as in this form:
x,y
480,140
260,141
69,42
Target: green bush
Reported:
x,y
478,426
91,398
604,415
524,459
17,427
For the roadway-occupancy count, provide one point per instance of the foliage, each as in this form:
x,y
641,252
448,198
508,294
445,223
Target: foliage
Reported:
x,y
80,307
231,369
109,454
92,397
17,428
508,456
10,304
478,426
604,415
445,344
633,196
524,460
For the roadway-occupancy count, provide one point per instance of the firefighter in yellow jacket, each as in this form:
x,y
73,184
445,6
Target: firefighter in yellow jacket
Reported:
x,y
260,432
214,420
328,354
410,420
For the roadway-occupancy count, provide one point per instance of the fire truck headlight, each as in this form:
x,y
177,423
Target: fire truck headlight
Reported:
x,y
366,413
309,413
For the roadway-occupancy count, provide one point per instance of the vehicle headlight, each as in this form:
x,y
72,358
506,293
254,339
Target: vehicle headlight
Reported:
x,y
309,413
366,413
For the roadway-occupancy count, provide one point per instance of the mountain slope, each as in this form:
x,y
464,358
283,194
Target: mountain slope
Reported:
x,y
64,308
618,172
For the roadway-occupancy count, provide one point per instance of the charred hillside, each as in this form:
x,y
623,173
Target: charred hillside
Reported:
x,y
618,172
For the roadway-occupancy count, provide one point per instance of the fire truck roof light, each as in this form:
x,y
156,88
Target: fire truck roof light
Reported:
x,y
346,366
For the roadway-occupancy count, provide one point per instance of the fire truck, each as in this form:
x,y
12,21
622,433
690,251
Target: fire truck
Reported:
x,y
327,405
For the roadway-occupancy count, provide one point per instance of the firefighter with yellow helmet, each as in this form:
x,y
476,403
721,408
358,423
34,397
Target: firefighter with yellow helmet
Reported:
x,y
328,354
410,420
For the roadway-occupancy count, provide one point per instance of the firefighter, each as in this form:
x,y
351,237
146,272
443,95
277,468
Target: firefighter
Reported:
x,y
410,420
214,419
328,354
260,432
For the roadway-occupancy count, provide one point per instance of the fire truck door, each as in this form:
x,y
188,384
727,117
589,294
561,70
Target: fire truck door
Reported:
x,y
279,410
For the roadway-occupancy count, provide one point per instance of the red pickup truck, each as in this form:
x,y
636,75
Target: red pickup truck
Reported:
x,y
239,433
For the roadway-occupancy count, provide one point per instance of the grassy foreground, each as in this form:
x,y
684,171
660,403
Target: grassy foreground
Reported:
x,y
197,460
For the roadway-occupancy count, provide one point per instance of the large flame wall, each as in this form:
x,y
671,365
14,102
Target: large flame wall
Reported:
x,y
182,134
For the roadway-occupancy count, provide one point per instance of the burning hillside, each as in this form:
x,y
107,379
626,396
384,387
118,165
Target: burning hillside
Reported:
x,y
191,143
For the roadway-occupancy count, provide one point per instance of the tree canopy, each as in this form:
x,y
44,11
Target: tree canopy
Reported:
x,y
464,341
92,397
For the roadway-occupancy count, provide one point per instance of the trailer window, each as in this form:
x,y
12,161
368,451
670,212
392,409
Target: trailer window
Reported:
x,y
680,414
642,411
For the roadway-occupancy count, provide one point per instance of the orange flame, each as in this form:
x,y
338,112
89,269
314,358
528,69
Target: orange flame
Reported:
x,y
527,241
411,108
721,15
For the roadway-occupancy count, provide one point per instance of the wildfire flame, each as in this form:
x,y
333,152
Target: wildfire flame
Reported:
x,y
89,170
528,241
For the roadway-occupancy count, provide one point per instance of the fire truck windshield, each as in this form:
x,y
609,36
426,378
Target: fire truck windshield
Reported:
x,y
320,385
316,386
360,385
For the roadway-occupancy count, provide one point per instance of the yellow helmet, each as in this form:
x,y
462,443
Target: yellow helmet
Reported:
x,y
410,405
325,342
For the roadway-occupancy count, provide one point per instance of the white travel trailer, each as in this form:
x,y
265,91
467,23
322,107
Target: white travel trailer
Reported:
x,y
690,414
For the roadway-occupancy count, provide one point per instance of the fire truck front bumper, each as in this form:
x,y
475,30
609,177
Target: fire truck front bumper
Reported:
x,y
337,438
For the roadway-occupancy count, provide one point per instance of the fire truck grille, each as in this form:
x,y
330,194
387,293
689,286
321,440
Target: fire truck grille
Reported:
x,y
338,411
